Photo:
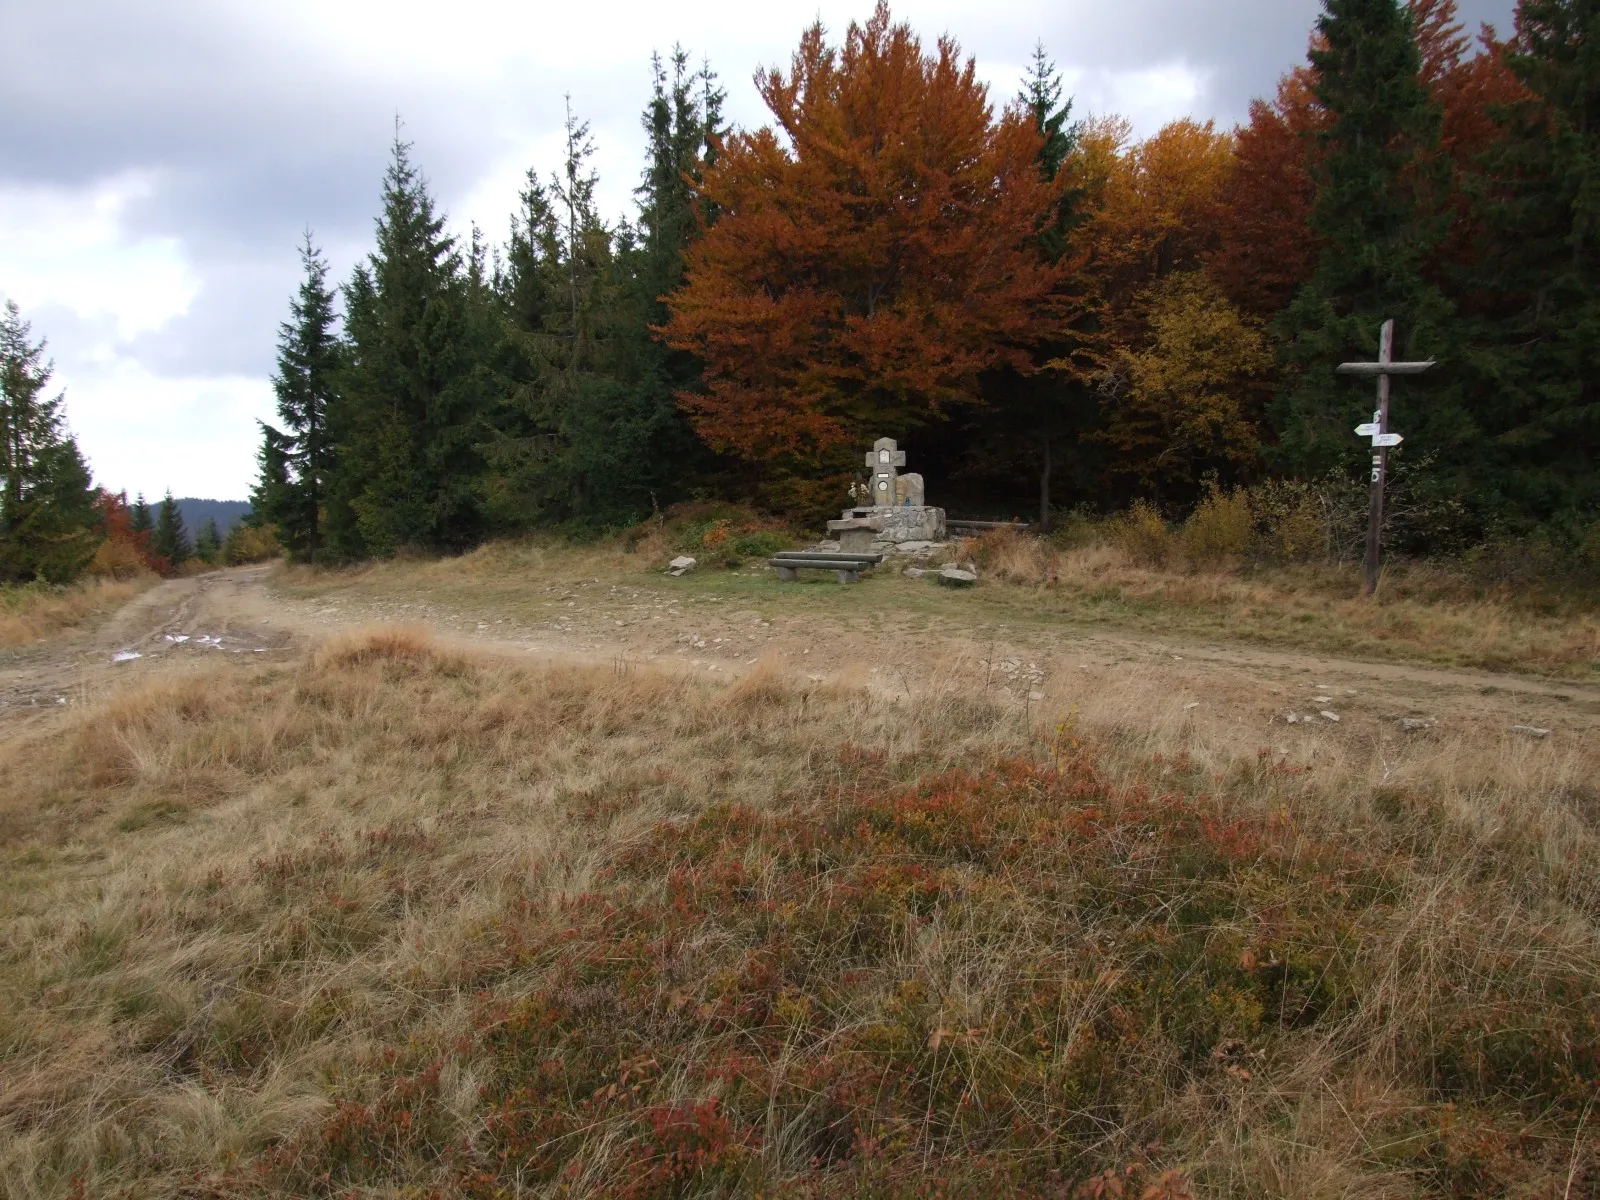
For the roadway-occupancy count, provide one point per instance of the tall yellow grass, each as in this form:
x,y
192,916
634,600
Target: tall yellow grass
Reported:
x,y
36,611
1423,612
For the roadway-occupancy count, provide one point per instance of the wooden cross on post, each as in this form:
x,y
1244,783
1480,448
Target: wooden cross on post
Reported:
x,y
1382,439
884,458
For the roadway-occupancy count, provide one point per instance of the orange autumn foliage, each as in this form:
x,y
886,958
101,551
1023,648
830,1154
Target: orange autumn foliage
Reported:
x,y
1158,209
1265,248
871,256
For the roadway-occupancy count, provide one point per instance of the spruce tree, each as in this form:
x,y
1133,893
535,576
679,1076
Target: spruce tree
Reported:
x,y
1535,284
1374,214
291,494
170,541
142,522
208,542
591,429
48,513
409,417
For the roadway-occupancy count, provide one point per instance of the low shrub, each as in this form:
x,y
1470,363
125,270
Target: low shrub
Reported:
x,y
250,543
1142,535
722,532
1221,530
115,559
991,983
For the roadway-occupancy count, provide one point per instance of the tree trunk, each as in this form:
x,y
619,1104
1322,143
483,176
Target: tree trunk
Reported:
x,y
1044,487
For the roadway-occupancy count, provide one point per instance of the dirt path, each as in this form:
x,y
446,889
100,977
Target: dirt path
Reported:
x,y
239,614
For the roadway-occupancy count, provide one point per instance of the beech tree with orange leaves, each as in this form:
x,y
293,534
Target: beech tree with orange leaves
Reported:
x,y
873,255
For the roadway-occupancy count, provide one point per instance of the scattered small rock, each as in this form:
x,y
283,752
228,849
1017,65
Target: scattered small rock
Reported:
x,y
125,656
1532,731
914,572
1414,724
1321,699
956,577
1329,716
1036,696
1191,704
682,565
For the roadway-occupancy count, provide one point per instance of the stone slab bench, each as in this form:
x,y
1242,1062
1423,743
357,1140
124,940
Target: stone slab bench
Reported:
x,y
847,567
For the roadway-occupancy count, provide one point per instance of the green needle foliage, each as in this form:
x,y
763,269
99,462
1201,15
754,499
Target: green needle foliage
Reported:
x,y
47,507
170,541
1373,215
296,461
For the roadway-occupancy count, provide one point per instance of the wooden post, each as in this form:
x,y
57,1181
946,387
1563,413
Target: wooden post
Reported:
x,y
1380,459
1382,439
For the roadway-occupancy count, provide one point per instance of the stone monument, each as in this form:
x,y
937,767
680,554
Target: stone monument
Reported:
x,y
898,512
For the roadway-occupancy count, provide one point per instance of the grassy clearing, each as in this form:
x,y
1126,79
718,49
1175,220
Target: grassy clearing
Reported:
x,y
36,611
1424,614
399,920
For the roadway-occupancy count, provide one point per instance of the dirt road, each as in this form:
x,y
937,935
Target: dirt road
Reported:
x,y
239,616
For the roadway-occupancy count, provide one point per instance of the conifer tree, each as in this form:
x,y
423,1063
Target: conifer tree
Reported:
x,y
684,126
410,414
291,493
143,523
170,541
208,542
591,429
1372,215
48,510
1536,284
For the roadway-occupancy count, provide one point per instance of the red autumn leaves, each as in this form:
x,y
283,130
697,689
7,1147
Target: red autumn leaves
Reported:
x,y
871,256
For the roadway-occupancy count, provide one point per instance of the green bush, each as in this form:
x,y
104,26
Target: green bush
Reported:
x,y
760,543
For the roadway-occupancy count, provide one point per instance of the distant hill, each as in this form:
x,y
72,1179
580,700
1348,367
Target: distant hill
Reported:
x,y
226,513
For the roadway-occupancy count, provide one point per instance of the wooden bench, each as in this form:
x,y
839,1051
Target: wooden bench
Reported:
x,y
848,567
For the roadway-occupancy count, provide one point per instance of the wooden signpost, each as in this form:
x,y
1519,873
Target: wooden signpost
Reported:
x,y
1378,431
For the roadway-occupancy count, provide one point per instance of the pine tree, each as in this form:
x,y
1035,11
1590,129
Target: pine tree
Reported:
x,y
208,542
143,522
170,541
48,510
1373,214
309,360
1536,285
591,430
409,418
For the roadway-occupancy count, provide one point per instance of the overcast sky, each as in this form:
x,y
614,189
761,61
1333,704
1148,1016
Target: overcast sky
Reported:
x,y
158,160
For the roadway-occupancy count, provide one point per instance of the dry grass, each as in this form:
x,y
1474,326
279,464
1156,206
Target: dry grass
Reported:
x,y
1423,612
36,611
398,919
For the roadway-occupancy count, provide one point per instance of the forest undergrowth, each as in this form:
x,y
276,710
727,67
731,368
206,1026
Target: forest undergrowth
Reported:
x,y
396,919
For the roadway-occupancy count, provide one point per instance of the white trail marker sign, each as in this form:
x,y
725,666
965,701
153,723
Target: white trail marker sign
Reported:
x,y
1378,430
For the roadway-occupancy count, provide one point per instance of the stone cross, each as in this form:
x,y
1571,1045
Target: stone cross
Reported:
x,y
883,459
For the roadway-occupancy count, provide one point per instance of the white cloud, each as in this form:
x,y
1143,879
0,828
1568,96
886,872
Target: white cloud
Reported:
x,y
142,432
69,249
